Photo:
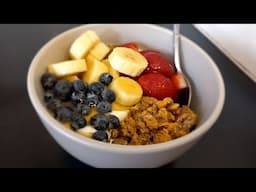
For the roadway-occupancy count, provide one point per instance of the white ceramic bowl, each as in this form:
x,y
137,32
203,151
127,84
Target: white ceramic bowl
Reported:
x,y
208,96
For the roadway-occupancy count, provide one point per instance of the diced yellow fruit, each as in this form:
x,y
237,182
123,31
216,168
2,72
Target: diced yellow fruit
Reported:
x,y
83,44
99,51
87,131
127,61
90,58
70,78
94,69
121,115
117,107
92,113
112,71
66,68
128,92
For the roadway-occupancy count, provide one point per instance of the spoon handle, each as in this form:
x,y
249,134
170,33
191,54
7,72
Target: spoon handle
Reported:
x,y
176,47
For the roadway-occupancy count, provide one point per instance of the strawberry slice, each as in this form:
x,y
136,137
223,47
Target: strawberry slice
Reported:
x,y
131,45
157,63
157,85
179,81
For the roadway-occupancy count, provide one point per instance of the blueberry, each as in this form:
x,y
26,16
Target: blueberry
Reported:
x,y
64,114
69,105
106,78
104,107
100,136
99,122
96,88
78,97
48,95
83,109
80,86
108,95
114,122
54,104
92,99
48,80
63,89
78,121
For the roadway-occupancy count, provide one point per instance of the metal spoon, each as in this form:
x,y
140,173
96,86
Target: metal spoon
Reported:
x,y
185,94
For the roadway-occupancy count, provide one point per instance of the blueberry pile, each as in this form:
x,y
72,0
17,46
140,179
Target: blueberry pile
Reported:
x,y
70,102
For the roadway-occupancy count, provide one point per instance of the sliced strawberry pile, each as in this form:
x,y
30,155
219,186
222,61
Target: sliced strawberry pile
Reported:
x,y
157,85
157,63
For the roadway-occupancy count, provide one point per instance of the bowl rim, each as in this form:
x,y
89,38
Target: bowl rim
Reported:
x,y
47,117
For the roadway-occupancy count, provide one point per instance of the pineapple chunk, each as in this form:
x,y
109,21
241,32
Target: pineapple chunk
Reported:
x,y
99,51
70,78
66,68
82,45
95,69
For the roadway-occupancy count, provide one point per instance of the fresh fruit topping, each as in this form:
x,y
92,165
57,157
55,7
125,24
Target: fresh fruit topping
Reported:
x,y
70,78
80,86
108,95
121,114
118,107
87,131
104,107
96,88
83,109
114,122
100,136
63,89
127,61
114,73
106,78
48,95
64,114
92,99
158,63
99,122
157,85
94,70
54,104
128,92
78,121
131,45
78,97
66,68
99,51
179,81
83,44
48,80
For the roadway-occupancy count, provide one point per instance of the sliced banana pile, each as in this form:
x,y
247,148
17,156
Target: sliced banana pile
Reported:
x,y
90,57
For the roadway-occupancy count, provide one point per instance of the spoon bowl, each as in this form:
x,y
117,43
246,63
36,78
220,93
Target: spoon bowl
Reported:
x,y
185,93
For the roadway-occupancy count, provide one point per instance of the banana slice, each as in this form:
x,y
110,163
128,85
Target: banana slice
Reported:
x,y
66,68
128,92
87,131
112,71
127,61
99,51
83,44
94,69
121,115
117,107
